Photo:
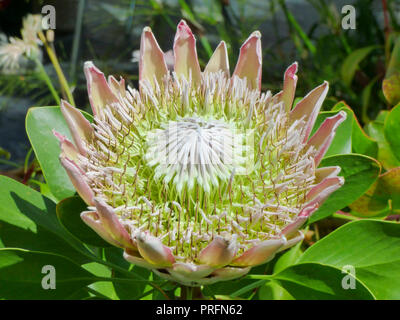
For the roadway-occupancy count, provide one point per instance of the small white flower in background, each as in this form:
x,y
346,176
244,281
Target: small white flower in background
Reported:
x,y
14,51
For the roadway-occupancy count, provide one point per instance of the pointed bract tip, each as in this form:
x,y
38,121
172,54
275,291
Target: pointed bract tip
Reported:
x,y
183,30
256,34
89,64
292,69
147,29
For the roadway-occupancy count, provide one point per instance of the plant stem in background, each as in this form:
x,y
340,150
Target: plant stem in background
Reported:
x,y
57,67
344,216
292,21
45,78
386,19
186,293
77,37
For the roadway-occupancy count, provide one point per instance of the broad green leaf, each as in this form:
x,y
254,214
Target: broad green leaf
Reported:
x,y
22,275
104,288
382,115
237,287
371,247
392,131
40,123
359,172
385,155
288,258
360,142
127,290
68,212
352,62
382,198
341,143
44,189
272,290
391,83
391,88
28,220
373,203
314,281
391,183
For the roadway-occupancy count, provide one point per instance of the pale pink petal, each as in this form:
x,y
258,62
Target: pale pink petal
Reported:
x,y
131,256
100,93
318,194
325,172
250,61
169,59
68,150
152,64
219,252
80,128
187,272
289,86
76,176
185,53
299,236
224,274
118,87
259,254
322,139
219,60
299,221
154,251
111,223
92,219
309,107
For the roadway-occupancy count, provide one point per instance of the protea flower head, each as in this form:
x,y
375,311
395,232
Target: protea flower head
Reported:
x,y
198,175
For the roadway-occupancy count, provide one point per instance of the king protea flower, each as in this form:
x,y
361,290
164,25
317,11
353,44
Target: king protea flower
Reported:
x,y
198,175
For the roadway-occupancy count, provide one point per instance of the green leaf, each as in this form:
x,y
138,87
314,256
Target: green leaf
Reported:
x,y
360,142
371,247
288,258
39,125
69,213
391,83
383,198
28,220
359,171
392,131
21,275
385,155
236,288
127,290
373,203
391,88
273,291
352,62
314,281
104,288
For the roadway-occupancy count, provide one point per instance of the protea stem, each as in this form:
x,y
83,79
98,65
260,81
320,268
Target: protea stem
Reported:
x,y
46,79
186,293
57,67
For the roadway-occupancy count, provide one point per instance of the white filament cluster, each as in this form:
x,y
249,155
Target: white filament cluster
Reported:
x,y
194,150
